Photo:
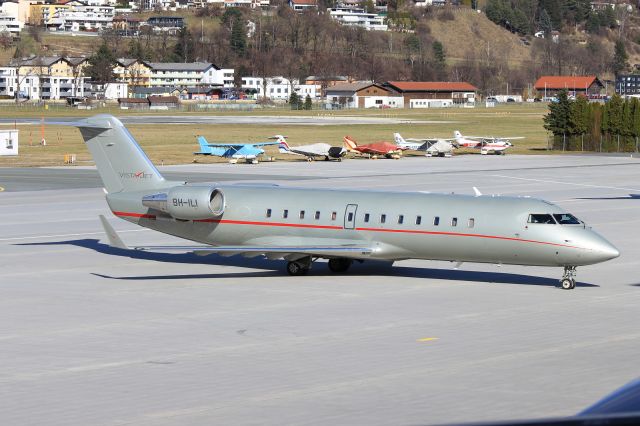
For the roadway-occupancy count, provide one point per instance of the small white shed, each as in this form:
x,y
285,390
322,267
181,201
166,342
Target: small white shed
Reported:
x,y
8,142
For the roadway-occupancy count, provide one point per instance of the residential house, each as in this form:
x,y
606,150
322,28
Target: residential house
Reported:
x,y
133,72
48,77
10,24
359,18
303,5
274,88
169,74
431,94
628,85
549,86
361,95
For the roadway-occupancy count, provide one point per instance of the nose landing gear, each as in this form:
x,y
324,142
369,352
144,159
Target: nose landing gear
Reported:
x,y
568,280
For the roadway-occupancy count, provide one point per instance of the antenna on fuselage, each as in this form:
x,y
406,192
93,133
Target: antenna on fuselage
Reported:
x,y
477,191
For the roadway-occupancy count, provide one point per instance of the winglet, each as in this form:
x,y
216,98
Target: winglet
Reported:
x,y
112,236
477,191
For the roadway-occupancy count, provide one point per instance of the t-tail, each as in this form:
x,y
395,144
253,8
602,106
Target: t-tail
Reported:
x,y
205,149
399,140
120,161
283,146
349,143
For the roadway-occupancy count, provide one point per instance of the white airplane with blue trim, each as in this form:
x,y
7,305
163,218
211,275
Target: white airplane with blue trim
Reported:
x,y
233,151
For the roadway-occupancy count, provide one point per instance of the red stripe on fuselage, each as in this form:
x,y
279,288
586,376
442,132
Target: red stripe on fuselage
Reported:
x,y
129,214
333,227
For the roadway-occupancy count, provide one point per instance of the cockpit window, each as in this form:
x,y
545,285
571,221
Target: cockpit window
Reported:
x,y
566,219
541,218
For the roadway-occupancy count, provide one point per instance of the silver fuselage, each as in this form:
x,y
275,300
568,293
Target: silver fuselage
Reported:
x,y
486,229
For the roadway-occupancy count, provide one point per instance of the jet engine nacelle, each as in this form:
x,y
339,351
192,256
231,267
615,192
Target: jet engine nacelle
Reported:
x,y
188,202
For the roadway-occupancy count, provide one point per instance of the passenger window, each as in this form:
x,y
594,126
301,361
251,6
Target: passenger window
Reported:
x,y
436,221
301,214
566,219
317,215
366,217
541,218
350,217
454,221
418,220
334,215
285,214
400,219
383,218
268,212
472,222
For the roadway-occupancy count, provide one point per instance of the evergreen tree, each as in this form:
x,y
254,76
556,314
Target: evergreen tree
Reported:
x,y
184,49
614,115
100,65
307,103
619,57
579,118
439,58
294,100
233,19
557,120
545,24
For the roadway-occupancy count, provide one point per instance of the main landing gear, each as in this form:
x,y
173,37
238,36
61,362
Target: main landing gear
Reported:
x,y
339,265
568,281
301,266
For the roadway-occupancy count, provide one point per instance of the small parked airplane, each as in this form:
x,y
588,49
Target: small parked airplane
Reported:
x,y
234,151
375,149
302,225
431,146
486,144
312,151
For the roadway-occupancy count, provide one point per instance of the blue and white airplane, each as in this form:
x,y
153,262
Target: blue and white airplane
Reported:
x,y
233,151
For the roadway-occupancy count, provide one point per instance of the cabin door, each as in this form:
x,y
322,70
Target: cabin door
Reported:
x,y
350,216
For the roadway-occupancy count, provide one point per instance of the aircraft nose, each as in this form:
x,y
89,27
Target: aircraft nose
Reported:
x,y
606,251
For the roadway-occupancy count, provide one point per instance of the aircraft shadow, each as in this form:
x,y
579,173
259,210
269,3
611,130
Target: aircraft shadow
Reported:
x,y
272,268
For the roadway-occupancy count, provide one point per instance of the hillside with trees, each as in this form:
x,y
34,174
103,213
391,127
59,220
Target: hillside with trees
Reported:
x,y
494,50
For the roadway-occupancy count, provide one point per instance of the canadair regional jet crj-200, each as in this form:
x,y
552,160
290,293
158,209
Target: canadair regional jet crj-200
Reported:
x,y
302,225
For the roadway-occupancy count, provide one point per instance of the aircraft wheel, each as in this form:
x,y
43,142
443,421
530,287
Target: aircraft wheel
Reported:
x,y
309,159
339,265
374,157
296,269
326,158
567,283
339,159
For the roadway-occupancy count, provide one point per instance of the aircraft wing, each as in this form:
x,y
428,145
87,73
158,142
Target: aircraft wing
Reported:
x,y
270,251
273,252
240,145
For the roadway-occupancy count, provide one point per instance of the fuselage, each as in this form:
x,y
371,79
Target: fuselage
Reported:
x,y
397,225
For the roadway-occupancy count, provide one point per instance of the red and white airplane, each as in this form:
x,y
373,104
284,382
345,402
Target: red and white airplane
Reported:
x,y
375,149
486,144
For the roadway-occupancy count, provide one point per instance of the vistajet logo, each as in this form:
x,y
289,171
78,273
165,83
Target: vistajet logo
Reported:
x,y
136,175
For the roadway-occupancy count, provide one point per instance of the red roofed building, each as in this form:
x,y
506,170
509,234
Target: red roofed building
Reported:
x,y
549,86
429,94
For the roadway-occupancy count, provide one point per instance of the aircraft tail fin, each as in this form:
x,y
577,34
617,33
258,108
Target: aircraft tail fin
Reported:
x,y
204,146
349,143
283,146
399,139
120,161
457,135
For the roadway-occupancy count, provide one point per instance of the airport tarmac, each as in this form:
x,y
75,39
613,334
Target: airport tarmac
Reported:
x,y
95,335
